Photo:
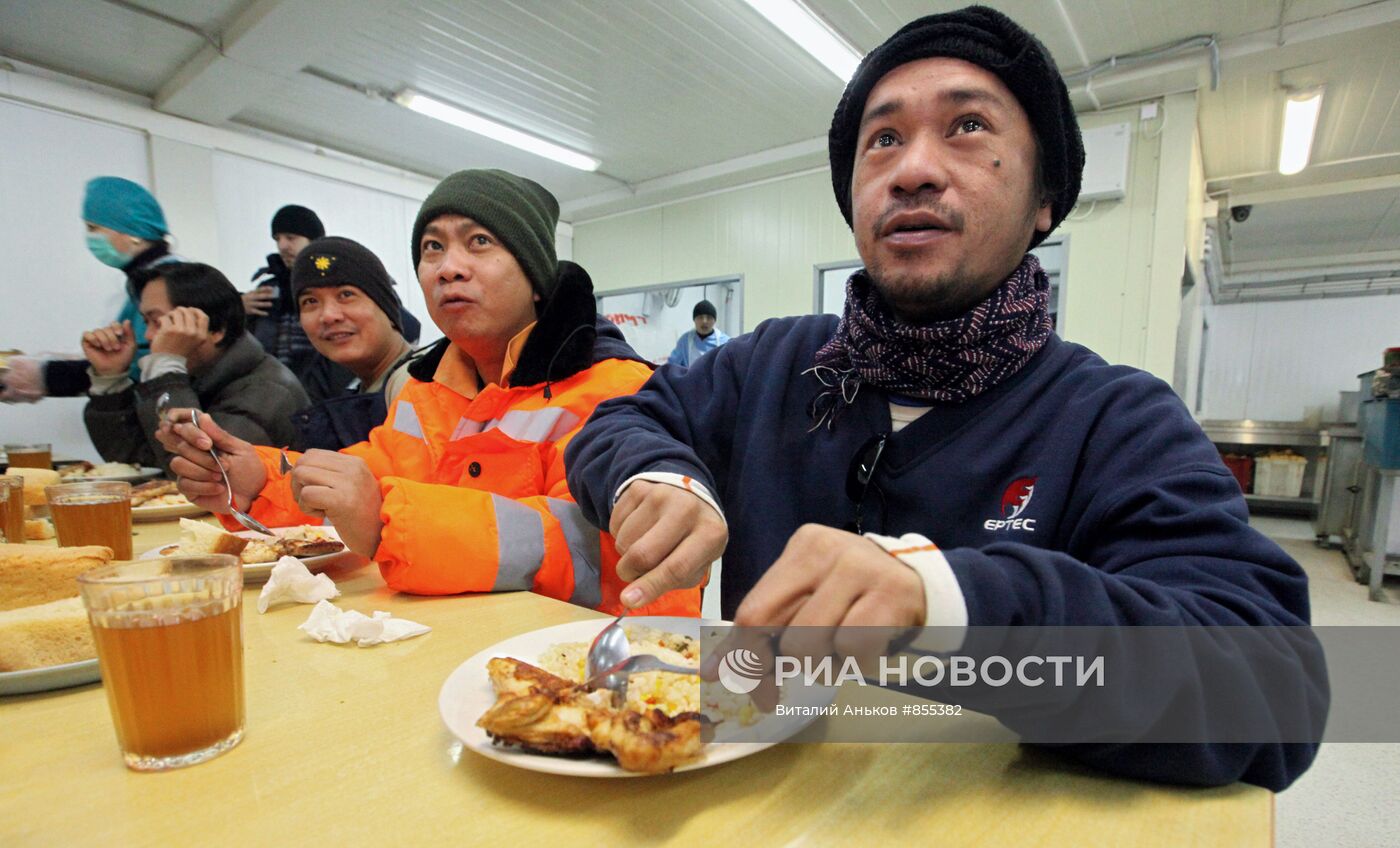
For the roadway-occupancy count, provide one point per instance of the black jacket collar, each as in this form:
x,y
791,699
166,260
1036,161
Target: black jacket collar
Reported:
x,y
569,336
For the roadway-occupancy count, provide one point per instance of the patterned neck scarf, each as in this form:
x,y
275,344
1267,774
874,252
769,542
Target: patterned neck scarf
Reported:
x,y
948,361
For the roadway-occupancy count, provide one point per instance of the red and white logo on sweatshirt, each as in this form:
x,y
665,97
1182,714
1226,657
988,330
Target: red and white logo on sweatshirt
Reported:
x,y
1013,503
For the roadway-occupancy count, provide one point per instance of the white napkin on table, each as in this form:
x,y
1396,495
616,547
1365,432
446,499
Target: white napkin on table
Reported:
x,y
329,623
290,581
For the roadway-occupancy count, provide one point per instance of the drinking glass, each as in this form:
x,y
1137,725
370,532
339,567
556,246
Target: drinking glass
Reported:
x,y
12,509
169,635
30,456
92,514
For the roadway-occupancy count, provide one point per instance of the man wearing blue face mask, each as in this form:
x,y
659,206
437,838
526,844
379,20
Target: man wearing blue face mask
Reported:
x,y
126,230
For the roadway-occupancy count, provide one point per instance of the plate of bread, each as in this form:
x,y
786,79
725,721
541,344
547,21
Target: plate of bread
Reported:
x,y
158,500
316,547
45,640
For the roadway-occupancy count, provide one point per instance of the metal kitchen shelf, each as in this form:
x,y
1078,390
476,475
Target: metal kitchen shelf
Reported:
x,y
1279,433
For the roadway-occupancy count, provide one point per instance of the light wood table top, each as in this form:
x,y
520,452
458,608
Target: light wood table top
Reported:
x,y
344,745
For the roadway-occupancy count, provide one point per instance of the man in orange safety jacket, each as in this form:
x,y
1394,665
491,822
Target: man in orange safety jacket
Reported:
x,y
462,488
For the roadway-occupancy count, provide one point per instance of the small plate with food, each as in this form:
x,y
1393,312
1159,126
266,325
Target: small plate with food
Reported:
x,y
120,472
522,702
157,500
317,547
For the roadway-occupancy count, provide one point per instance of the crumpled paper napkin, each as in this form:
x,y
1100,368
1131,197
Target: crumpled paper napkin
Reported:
x,y
329,623
290,581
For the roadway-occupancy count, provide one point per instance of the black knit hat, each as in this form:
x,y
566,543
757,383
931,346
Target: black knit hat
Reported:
x,y
704,307
520,212
337,261
989,39
297,220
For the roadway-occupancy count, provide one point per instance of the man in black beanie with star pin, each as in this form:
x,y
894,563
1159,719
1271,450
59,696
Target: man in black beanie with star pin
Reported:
x,y
273,316
938,458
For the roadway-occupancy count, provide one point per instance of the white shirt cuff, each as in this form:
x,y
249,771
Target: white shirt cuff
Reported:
x,y
154,365
945,608
107,384
680,481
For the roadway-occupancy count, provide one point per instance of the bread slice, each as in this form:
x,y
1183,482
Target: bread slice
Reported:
x,y
38,529
47,634
35,481
35,574
198,537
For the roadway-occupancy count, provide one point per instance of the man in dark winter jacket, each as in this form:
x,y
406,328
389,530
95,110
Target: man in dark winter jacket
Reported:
x,y
275,320
999,475
351,314
200,355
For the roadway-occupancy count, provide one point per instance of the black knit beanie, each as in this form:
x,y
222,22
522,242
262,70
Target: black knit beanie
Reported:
x,y
299,221
337,261
989,39
520,212
704,307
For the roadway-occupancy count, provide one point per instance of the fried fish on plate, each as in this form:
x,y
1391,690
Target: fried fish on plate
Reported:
x,y
549,715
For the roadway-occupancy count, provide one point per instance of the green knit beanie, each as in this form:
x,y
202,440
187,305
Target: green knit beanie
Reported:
x,y
521,213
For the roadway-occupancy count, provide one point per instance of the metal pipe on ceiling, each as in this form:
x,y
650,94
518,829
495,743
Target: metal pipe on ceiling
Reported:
x,y
169,21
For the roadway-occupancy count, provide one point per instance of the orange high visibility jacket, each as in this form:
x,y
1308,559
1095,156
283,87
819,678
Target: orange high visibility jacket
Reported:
x,y
475,498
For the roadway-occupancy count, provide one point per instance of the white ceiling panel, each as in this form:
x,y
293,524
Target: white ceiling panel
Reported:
x,y
683,96
1320,227
96,41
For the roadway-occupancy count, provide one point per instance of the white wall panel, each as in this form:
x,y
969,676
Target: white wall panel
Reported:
x,y
53,289
1287,360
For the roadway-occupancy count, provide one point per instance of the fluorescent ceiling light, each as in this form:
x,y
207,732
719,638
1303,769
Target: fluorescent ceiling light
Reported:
x,y
1300,113
471,122
811,34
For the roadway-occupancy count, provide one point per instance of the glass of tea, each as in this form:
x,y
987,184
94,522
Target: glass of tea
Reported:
x,y
92,514
12,509
30,456
169,635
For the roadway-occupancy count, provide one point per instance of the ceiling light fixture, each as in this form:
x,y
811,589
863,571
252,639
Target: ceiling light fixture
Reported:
x,y
810,33
472,122
1300,113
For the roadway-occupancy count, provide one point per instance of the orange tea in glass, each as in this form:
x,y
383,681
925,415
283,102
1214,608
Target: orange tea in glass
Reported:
x,y
12,509
30,456
169,635
92,514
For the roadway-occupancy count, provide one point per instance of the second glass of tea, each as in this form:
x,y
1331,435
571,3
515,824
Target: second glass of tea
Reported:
x,y
92,514
30,456
12,509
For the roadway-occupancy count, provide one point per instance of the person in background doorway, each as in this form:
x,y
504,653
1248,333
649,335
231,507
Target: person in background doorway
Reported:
x,y
199,354
695,343
352,316
126,230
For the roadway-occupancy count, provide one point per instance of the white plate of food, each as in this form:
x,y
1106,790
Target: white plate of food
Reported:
x,y
468,693
119,472
317,547
157,500
49,678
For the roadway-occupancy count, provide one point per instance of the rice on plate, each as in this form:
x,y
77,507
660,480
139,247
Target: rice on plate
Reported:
x,y
669,692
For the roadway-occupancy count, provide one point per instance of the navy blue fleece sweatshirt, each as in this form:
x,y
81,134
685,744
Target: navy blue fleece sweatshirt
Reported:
x,y
1074,493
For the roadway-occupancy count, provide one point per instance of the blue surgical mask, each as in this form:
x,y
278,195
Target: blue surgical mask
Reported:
x,y
105,253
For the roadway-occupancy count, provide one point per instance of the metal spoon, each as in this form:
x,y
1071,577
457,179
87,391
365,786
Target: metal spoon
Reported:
x,y
610,647
163,406
241,517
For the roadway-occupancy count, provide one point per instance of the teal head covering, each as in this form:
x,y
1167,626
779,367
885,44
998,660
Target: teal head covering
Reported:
x,y
124,206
